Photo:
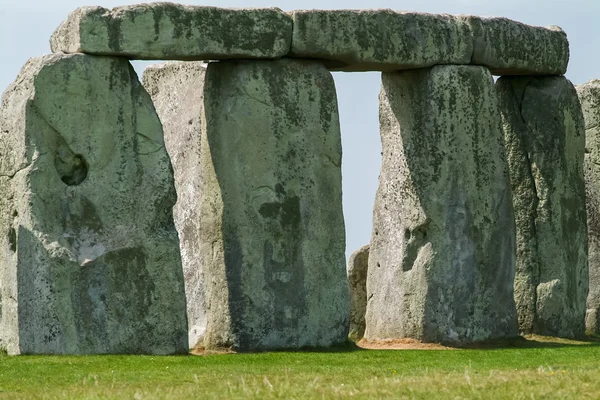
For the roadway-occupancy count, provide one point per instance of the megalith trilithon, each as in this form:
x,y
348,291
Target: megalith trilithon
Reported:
x,y
589,97
90,257
441,261
545,138
176,89
357,280
271,224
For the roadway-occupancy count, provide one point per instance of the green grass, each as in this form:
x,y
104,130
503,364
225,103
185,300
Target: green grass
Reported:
x,y
533,370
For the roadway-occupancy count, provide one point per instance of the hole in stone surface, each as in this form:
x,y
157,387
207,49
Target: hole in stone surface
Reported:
x,y
73,169
12,239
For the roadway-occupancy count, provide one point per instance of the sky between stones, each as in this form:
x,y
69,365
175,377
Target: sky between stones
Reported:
x,y
26,26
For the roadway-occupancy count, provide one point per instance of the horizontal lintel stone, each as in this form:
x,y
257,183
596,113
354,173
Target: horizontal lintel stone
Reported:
x,y
175,32
386,40
380,40
509,47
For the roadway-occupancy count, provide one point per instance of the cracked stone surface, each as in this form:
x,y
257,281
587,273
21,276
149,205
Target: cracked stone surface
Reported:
x,y
545,138
357,280
589,97
442,254
167,31
509,47
272,227
90,256
177,89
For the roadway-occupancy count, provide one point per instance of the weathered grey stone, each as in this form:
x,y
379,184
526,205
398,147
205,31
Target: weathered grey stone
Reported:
x,y
357,279
175,32
442,255
589,96
271,207
176,89
89,259
380,40
508,47
545,138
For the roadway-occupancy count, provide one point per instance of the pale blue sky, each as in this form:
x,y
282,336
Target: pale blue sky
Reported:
x,y
26,26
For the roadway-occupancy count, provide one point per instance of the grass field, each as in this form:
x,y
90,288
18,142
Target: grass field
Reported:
x,y
532,369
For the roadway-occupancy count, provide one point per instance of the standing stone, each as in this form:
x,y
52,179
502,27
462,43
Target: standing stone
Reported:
x,y
271,217
177,90
589,96
545,138
357,279
509,47
90,257
441,262
167,31
380,40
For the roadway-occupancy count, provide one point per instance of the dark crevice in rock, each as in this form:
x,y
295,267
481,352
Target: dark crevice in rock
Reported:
x,y
290,46
12,239
72,168
252,97
150,139
337,164
522,100
416,239
11,176
150,152
536,200
593,126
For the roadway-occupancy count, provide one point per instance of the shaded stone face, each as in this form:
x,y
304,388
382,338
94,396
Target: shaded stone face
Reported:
x,y
441,261
271,220
167,31
177,89
545,138
589,97
90,261
509,47
357,280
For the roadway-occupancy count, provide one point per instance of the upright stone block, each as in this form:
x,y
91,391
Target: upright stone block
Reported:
x,y
357,279
589,97
271,220
545,139
177,90
380,40
90,257
441,262
167,31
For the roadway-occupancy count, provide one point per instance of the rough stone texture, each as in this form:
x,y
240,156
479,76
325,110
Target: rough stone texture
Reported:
x,y
90,257
175,32
442,256
508,47
271,207
545,139
357,279
589,96
177,89
380,40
